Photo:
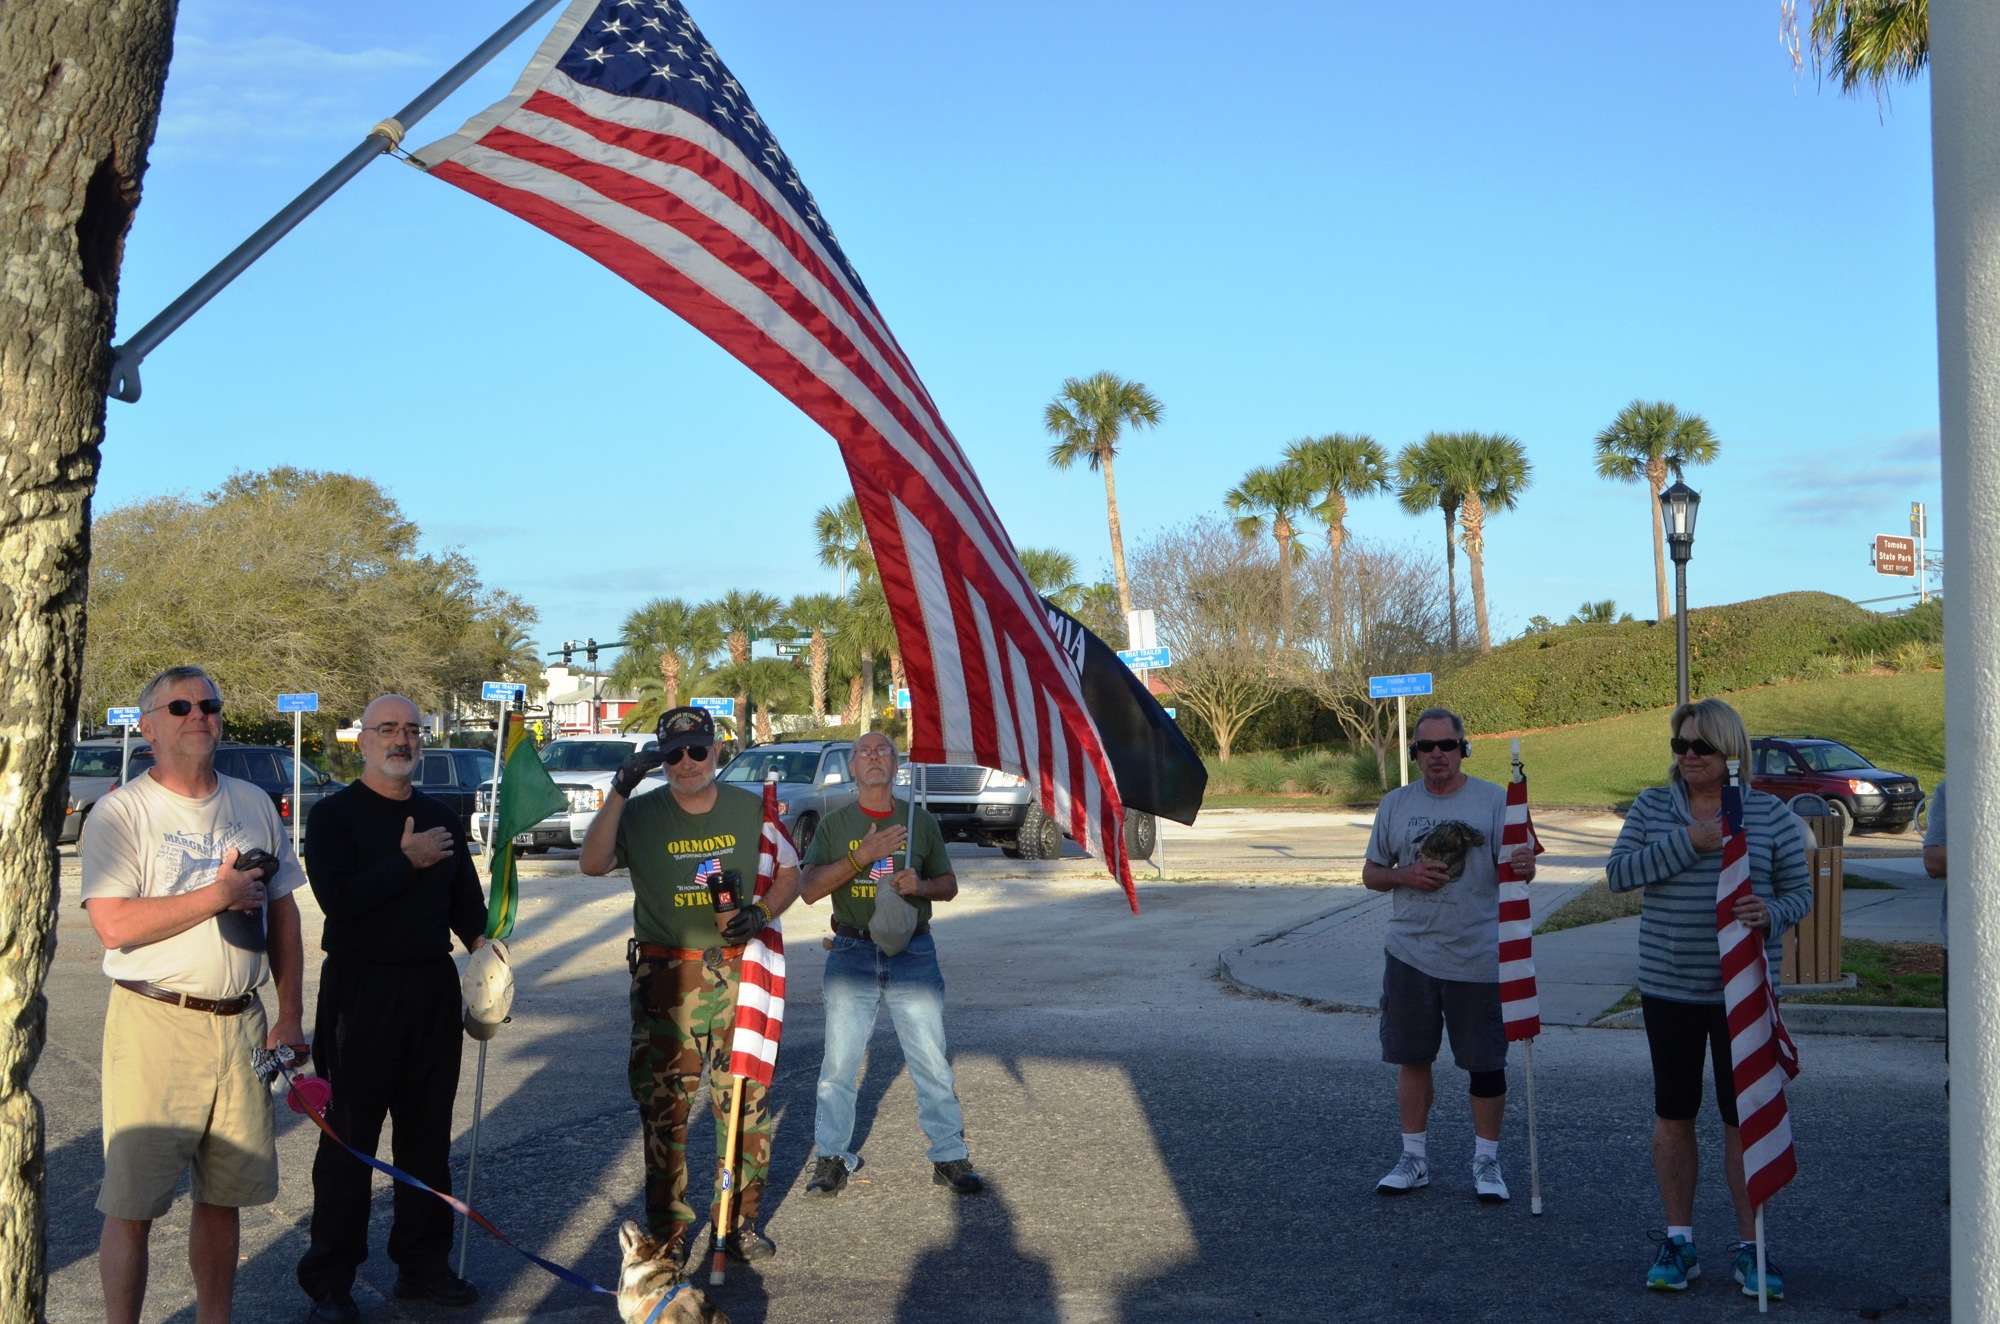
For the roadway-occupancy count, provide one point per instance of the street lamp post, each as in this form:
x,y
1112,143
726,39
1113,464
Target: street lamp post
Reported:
x,y
1678,505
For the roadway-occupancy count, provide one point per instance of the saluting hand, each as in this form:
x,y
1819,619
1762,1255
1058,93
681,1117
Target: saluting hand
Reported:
x,y
425,848
242,889
880,843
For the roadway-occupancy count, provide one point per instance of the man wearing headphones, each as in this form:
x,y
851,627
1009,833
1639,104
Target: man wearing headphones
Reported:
x,y
1436,850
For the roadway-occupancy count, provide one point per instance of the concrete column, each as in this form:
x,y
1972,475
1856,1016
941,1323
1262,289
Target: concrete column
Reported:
x,y
1965,160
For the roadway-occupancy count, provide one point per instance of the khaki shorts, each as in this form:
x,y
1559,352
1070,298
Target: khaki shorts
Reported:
x,y
180,1092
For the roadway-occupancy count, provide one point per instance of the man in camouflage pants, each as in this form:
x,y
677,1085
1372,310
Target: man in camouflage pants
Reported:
x,y
685,963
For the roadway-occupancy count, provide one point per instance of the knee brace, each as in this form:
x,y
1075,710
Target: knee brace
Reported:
x,y
1488,1084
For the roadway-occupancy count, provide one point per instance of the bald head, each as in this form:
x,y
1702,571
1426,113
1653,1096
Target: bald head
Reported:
x,y
874,763
391,736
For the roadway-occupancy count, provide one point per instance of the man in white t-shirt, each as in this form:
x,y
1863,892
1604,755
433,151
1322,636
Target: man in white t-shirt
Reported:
x,y
187,934
1436,851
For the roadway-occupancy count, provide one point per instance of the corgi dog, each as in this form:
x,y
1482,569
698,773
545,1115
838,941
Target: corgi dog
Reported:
x,y
651,1290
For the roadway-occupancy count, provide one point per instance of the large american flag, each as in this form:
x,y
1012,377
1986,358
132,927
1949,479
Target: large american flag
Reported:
x,y
760,989
1520,1003
1761,1052
629,139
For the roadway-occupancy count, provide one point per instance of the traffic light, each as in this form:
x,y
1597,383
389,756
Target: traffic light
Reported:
x,y
590,652
568,651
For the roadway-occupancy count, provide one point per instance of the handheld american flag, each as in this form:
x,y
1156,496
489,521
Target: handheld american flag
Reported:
x,y
1761,1052
628,138
1520,1006
760,990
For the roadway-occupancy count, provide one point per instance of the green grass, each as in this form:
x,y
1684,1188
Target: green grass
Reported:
x,y
1898,721
1890,974
1594,905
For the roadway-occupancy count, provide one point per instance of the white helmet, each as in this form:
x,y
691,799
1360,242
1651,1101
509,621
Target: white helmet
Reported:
x,y
488,986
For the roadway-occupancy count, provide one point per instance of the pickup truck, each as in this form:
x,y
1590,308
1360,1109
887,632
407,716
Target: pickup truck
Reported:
x,y
581,767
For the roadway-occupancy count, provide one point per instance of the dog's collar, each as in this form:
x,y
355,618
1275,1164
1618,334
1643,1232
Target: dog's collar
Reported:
x,y
665,1301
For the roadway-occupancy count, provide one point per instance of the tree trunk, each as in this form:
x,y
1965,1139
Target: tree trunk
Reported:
x,y
819,678
868,691
1472,527
763,723
851,714
79,101
898,679
1281,529
739,647
1451,575
670,676
1656,482
1117,539
1336,607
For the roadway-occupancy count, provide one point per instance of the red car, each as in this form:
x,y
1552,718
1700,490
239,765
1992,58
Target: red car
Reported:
x,y
1861,795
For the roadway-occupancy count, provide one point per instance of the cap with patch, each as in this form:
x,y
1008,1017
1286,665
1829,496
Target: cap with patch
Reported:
x,y
681,727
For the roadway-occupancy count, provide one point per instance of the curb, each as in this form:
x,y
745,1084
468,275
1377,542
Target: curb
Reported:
x,y
1811,1018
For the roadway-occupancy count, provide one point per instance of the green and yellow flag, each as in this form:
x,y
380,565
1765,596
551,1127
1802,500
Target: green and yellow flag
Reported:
x,y
527,796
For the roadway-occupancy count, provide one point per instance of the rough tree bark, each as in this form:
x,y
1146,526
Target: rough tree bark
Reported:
x,y
79,99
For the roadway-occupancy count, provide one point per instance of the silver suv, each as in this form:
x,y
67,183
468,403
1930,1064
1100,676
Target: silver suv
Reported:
x,y
813,780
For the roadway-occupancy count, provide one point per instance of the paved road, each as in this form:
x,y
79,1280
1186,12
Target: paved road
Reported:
x,y
1160,1147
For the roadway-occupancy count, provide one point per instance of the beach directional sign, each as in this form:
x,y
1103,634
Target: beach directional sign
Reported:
x,y
792,650
502,691
719,707
1146,659
1395,687
298,703
121,717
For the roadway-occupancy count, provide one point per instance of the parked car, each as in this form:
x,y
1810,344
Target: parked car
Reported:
x,y
813,780
94,768
1862,796
269,768
992,808
454,776
581,767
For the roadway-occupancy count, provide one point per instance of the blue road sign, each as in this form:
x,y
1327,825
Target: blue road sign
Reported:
x,y
1393,687
298,703
902,698
1146,659
121,717
502,691
719,707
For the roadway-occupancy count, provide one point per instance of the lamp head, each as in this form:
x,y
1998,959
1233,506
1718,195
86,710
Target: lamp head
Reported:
x,y
1678,505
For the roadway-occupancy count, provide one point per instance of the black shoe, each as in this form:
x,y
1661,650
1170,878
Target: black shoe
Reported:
x,y
335,1307
829,1177
447,1289
749,1246
958,1175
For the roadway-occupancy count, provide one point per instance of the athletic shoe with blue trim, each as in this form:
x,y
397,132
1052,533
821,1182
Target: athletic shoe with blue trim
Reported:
x,y
1746,1272
1674,1267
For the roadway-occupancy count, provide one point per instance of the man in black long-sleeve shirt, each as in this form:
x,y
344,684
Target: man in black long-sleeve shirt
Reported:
x,y
384,866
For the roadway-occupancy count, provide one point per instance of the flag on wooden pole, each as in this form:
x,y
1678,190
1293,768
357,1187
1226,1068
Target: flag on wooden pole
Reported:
x,y
1761,1052
760,990
1520,1006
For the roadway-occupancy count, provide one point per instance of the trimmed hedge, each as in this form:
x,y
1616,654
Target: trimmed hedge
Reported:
x,y
1581,673
1887,634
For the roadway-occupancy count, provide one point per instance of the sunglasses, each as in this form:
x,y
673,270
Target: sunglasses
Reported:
x,y
182,707
1701,747
1426,746
698,753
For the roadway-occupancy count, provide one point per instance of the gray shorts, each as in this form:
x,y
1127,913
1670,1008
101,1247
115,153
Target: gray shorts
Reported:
x,y
1417,1010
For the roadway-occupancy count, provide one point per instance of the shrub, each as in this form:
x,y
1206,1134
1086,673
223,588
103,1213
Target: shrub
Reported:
x,y
1862,664
1917,655
1262,773
1920,624
1822,666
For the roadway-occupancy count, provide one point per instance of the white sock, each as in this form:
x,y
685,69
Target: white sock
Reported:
x,y
1484,1148
1686,1234
1415,1142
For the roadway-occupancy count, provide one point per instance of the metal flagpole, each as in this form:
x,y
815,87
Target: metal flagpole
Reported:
x,y
1763,1291
298,776
472,1159
384,137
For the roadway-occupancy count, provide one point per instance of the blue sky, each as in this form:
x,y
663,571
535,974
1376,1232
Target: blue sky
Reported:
x,y
1283,218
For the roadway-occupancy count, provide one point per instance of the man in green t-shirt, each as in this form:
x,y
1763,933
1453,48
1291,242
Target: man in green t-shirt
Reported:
x,y
685,960
867,845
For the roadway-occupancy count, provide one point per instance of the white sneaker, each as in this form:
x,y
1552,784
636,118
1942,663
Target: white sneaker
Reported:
x,y
1486,1180
1409,1173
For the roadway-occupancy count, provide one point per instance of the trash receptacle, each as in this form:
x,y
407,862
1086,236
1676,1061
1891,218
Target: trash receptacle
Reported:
x,y
1812,948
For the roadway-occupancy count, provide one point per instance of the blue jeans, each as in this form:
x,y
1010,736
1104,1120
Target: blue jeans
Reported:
x,y
858,980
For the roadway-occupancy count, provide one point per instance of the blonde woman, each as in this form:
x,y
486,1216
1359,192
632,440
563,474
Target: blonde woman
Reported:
x,y
1671,847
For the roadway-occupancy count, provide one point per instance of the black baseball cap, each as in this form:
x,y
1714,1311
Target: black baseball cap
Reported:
x,y
681,727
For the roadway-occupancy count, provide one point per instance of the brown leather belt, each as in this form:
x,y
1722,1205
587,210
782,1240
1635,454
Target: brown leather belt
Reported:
x,y
652,951
849,931
214,1006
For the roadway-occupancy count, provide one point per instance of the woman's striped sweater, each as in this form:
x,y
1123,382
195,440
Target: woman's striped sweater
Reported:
x,y
1679,958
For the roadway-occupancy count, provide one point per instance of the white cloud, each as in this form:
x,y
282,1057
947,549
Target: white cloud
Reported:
x,y
1858,477
230,97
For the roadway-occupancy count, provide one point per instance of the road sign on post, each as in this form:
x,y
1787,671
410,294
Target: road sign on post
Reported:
x,y
1400,688
903,699
1141,628
127,718
792,650
1895,556
716,707
502,691
297,704
1147,659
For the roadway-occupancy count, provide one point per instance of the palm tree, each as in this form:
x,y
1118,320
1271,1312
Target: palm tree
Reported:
x,y
744,618
816,615
1641,445
1339,467
1087,417
669,640
767,683
1868,43
843,541
1053,574
1599,613
1493,470
1279,491
866,632
1425,480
